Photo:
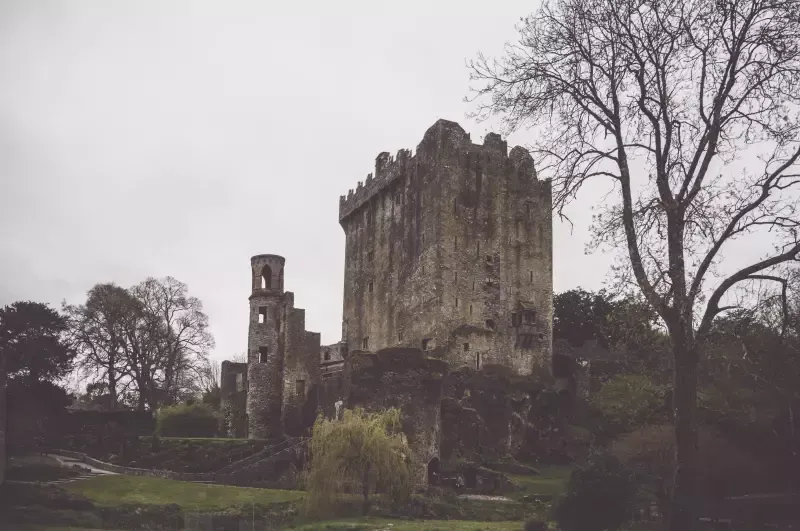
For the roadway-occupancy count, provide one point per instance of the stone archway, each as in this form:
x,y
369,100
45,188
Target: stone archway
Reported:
x,y
433,471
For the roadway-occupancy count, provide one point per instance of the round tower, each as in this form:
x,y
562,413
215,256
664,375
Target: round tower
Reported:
x,y
265,347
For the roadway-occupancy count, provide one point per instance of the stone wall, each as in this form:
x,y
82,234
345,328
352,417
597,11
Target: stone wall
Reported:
x,y
457,237
404,378
276,471
233,388
494,413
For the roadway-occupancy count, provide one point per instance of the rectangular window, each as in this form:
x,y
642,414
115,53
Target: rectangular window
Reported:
x,y
300,388
370,256
455,243
477,361
365,343
529,316
263,354
478,249
371,286
470,309
262,314
456,302
466,347
473,285
426,343
456,277
531,277
400,335
514,319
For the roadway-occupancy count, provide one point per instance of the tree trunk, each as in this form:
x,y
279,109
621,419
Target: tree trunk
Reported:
x,y
112,389
683,508
365,507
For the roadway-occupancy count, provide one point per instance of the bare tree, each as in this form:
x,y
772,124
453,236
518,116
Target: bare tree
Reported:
x,y
169,341
689,109
96,331
151,339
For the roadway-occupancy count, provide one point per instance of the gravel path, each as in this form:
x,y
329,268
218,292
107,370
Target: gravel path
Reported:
x,y
485,497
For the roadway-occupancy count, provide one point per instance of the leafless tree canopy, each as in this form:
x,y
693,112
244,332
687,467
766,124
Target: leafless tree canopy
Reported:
x,y
664,98
151,339
690,109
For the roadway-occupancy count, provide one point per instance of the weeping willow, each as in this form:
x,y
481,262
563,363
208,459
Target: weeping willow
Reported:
x,y
362,454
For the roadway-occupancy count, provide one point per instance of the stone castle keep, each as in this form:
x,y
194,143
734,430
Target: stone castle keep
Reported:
x,y
448,258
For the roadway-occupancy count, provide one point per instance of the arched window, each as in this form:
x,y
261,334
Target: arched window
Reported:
x,y
266,278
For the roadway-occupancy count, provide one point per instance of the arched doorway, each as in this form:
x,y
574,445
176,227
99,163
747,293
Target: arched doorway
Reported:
x,y
433,471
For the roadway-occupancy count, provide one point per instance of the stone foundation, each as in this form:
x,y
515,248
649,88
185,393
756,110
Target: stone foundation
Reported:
x,y
404,378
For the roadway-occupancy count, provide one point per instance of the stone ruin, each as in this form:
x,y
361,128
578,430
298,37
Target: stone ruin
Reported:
x,y
448,268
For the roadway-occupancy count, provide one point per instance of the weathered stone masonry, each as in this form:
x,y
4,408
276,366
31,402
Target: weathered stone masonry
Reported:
x,y
450,250
448,265
282,357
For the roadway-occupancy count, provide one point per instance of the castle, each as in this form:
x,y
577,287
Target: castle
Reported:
x,y
448,251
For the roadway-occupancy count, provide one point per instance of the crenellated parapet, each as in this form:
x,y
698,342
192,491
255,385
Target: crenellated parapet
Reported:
x,y
387,169
442,138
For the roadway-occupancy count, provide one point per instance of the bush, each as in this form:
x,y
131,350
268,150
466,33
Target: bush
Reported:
x,y
626,402
184,420
599,497
724,468
362,454
534,524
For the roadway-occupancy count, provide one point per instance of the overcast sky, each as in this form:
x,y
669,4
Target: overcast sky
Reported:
x,y
153,138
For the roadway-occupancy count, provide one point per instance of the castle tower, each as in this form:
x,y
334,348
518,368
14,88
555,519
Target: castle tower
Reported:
x,y
265,347
450,250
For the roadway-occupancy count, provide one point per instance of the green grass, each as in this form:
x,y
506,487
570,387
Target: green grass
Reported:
x,y
120,490
551,481
381,524
37,468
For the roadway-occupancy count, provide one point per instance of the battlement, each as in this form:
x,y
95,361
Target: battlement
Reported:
x,y
443,136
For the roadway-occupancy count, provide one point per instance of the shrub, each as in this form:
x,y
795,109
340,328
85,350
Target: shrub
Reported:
x,y
626,402
361,454
534,524
599,496
184,420
724,468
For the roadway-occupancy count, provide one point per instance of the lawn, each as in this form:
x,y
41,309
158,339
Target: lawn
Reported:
x,y
37,468
374,524
551,481
381,524
120,490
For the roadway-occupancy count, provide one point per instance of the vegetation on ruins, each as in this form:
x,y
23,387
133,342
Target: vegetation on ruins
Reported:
x,y
689,110
362,454
148,344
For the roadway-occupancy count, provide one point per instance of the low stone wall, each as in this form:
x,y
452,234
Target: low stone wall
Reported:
x,y
131,471
253,475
